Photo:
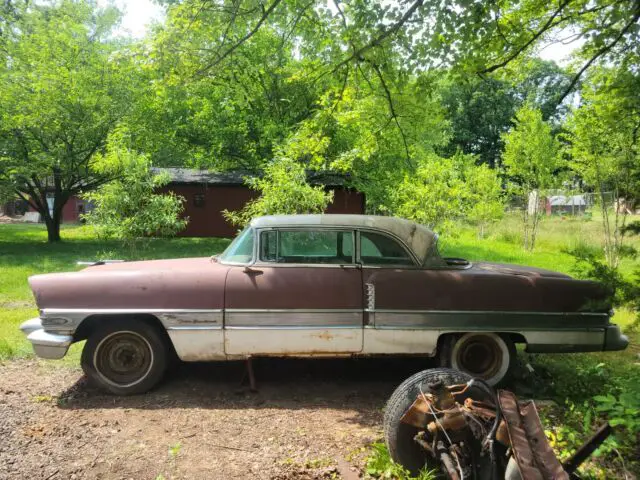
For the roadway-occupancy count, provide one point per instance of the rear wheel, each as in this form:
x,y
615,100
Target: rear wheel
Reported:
x,y
125,357
485,355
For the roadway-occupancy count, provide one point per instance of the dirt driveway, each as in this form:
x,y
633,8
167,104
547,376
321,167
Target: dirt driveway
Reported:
x,y
310,419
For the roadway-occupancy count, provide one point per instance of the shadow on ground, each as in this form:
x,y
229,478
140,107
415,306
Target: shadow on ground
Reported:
x,y
283,383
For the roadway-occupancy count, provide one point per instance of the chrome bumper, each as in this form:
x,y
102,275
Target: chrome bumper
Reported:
x,y
46,345
614,339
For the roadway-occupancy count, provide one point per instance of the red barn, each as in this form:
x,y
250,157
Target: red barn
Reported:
x,y
207,194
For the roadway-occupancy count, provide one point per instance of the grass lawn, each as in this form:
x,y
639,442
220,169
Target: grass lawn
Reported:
x,y
579,384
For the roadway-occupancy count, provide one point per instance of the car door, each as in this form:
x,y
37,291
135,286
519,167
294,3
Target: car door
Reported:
x,y
397,293
301,295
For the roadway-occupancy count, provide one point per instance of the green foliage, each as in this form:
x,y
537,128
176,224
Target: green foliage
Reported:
x,y
283,190
622,411
435,195
589,389
486,199
624,290
65,85
531,151
602,142
380,466
129,207
443,190
531,159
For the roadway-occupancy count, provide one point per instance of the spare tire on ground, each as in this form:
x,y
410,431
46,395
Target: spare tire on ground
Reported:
x,y
399,436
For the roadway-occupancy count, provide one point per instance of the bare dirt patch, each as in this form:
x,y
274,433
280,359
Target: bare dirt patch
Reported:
x,y
311,419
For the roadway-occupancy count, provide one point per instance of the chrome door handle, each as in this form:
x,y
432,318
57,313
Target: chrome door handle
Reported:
x,y
251,271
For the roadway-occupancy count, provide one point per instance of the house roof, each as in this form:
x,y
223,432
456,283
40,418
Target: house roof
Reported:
x,y
237,177
421,240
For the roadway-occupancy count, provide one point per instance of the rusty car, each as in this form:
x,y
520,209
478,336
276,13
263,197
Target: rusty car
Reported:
x,y
307,285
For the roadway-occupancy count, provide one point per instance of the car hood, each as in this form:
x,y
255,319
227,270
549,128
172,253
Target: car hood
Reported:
x,y
153,265
191,283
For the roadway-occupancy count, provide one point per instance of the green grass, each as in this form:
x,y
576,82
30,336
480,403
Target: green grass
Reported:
x,y
24,251
556,236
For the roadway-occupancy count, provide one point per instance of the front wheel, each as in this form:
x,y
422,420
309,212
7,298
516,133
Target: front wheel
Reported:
x,y
485,355
125,357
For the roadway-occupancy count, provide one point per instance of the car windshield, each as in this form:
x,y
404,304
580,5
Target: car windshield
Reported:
x,y
240,250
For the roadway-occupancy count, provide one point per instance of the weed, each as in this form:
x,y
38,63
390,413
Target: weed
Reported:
x,y
42,398
380,466
174,450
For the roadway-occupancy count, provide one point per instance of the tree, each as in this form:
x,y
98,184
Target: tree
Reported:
x,y
531,159
479,111
486,198
130,208
64,85
603,145
435,195
283,190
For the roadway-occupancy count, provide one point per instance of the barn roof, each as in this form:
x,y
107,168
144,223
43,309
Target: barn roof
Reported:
x,y
186,176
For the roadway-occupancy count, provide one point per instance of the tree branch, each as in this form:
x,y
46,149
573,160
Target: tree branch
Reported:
x,y
386,33
394,115
230,50
547,25
600,53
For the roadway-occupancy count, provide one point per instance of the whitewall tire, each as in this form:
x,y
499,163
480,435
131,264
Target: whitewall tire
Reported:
x,y
485,355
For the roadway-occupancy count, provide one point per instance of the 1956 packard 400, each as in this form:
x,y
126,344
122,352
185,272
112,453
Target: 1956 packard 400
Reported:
x,y
303,285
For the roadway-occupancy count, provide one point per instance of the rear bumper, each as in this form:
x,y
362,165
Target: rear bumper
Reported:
x,y
46,345
614,339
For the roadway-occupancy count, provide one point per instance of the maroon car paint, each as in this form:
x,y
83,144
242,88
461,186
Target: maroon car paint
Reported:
x,y
187,283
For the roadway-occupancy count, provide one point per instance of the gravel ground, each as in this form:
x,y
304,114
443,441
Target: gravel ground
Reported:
x,y
311,419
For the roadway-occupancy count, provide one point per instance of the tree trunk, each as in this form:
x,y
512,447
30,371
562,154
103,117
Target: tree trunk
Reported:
x,y
53,225
53,229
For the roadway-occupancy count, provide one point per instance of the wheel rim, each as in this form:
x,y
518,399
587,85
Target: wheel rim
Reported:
x,y
123,359
480,356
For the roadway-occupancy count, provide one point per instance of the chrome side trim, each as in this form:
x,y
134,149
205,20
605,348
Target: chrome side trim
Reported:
x,y
192,319
293,310
258,318
92,311
292,327
195,327
371,297
62,320
492,312
487,320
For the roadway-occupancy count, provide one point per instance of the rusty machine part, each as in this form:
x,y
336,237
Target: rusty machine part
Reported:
x,y
480,439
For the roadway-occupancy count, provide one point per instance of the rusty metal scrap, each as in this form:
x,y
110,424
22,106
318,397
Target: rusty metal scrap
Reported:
x,y
501,437
535,458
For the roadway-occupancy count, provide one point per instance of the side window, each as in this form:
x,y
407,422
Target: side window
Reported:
x,y
378,249
307,246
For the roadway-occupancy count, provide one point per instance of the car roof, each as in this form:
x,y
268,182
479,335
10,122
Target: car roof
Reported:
x,y
418,238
